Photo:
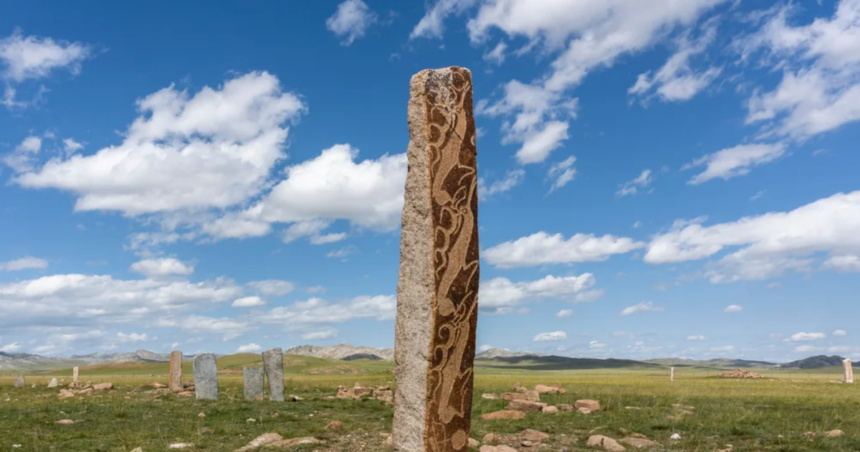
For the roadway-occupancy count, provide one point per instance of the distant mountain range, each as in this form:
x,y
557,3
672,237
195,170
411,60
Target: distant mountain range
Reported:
x,y
491,358
26,361
341,351
721,362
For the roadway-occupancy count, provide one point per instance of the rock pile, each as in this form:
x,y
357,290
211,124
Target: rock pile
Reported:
x,y
358,391
740,373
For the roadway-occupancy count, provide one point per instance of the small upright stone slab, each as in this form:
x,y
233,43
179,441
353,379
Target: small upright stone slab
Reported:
x,y
849,370
205,377
253,381
75,374
437,295
19,382
672,375
175,383
273,363
53,383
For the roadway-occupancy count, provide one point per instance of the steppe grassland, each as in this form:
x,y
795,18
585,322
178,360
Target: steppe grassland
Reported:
x,y
751,415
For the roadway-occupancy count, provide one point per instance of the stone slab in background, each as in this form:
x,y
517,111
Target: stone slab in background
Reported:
x,y
205,377
273,363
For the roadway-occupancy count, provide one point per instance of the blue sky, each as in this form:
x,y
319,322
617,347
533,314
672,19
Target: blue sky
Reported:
x,y
658,178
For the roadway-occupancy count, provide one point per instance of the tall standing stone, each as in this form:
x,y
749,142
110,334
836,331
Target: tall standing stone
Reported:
x,y
75,374
53,383
437,295
253,383
849,370
175,383
672,375
19,382
273,363
205,377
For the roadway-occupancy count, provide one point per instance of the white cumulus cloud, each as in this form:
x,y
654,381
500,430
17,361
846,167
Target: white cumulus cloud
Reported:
x,y
770,244
162,267
734,162
553,336
564,313
633,187
248,302
23,263
733,309
645,306
248,348
803,336
351,21
542,248
500,293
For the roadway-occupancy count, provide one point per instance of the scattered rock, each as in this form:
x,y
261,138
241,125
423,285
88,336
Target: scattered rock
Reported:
x,y
533,435
334,425
102,386
490,438
809,435
296,398
632,408
489,396
525,405
685,412
740,373
251,420
565,407
53,383
201,415
501,448
157,385
260,441
517,386
474,443
205,431
66,393
137,449
64,422
605,443
550,410
592,405
675,437
532,395
19,382
834,433
180,445
557,389
584,410
513,396
504,414
526,443
639,443
389,441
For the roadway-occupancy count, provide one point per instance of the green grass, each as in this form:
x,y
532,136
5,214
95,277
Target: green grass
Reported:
x,y
752,415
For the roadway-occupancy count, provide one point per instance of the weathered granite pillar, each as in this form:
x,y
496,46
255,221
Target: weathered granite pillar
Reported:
x,y
75,374
175,382
273,363
437,295
849,370
205,376
672,375
253,383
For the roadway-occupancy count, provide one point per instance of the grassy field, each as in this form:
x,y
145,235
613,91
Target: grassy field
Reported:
x,y
751,415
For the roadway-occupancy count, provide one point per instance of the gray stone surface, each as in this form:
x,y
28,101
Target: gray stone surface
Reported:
x,y
253,380
75,374
175,382
439,267
53,383
205,377
273,363
19,382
